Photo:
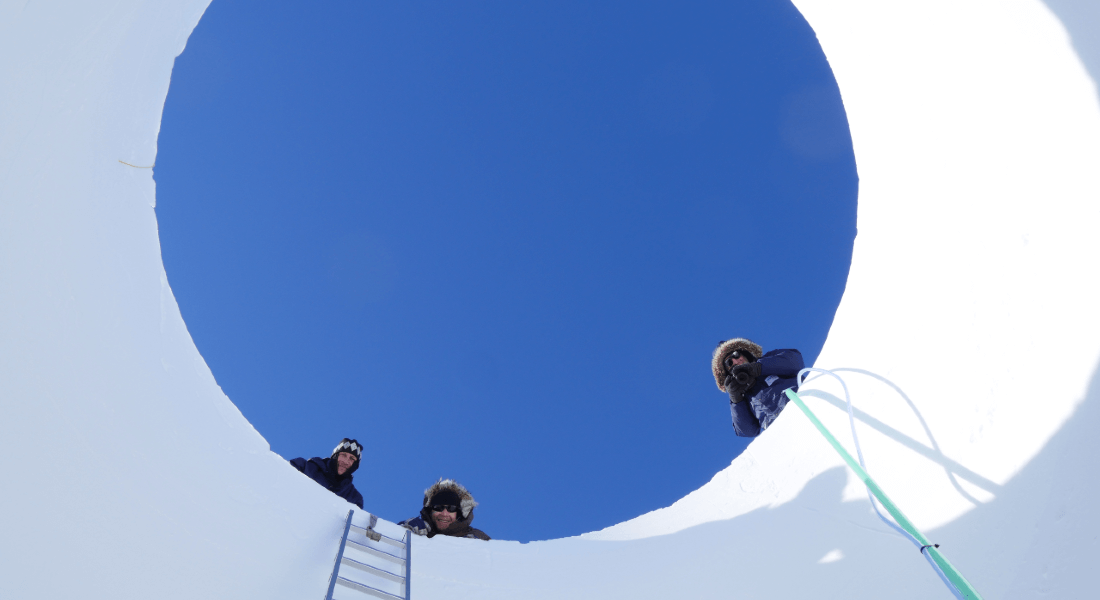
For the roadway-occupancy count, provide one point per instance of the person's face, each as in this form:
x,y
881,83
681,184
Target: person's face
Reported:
x,y
733,362
444,518
344,461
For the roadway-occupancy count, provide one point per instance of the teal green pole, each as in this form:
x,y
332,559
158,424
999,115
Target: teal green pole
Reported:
x,y
953,574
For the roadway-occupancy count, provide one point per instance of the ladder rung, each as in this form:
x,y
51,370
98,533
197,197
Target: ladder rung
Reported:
x,y
373,570
385,538
378,553
366,589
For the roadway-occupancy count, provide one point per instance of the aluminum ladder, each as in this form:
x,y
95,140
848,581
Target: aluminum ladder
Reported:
x,y
373,560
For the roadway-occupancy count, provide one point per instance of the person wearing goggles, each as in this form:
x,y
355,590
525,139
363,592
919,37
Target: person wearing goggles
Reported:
x,y
448,510
754,381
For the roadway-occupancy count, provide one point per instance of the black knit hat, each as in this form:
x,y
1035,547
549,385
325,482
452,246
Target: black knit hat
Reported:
x,y
350,446
445,497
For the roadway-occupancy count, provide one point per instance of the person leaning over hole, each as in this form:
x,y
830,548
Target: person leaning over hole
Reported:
x,y
334,472
754,381
448,510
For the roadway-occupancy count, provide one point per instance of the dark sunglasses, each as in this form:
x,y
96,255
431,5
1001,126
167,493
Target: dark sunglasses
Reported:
x,y
451,508
736,354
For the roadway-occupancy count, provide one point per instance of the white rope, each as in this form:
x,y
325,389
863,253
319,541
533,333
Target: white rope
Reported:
x,y
874,501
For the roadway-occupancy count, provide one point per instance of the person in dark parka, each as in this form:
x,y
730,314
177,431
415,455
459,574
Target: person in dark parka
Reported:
x,y
448,510
334,473
755,382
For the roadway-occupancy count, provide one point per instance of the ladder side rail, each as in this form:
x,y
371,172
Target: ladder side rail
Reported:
x,y
339,557
408,563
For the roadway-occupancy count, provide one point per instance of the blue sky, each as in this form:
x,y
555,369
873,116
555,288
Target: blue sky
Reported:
x,y
498,241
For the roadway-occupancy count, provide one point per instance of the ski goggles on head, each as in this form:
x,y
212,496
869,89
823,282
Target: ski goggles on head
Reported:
x,y
451,508
736,354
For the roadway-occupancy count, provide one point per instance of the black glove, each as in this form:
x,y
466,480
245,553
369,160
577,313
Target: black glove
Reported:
x,y
745,375
734,389
736,395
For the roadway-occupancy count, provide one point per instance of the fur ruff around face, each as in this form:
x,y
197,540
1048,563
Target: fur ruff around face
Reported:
x,y
468,502
723,350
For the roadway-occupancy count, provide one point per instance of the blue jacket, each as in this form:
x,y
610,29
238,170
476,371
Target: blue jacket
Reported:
x,y
765,399
318,469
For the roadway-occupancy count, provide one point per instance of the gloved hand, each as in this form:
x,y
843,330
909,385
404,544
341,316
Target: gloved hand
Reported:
x,y
730,383
745,375
736,395
734,389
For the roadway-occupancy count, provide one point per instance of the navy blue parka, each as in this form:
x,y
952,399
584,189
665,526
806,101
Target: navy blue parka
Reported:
x,y
765,399
323,471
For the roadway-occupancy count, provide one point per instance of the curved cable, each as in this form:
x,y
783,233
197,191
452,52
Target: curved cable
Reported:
x,y
862,463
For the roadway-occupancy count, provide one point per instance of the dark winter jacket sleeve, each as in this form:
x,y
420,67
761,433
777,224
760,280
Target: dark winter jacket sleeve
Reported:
x,y
416,525
352,495
765,399
478,534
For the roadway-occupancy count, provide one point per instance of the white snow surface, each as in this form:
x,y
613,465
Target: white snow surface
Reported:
x,y
968,334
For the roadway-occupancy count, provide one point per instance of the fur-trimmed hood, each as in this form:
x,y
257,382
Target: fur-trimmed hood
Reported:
x,y
723,350
468,502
